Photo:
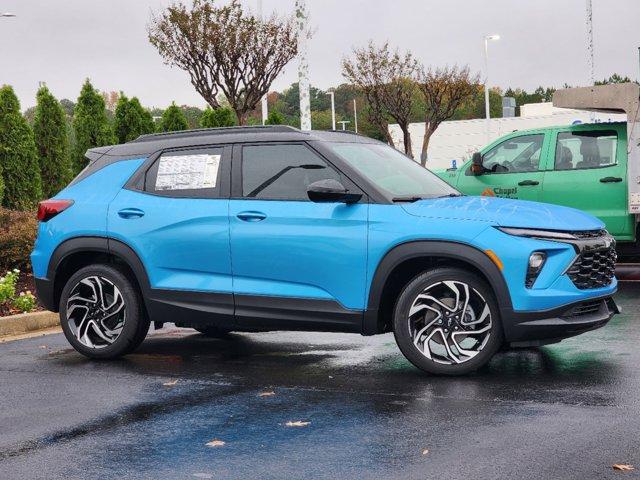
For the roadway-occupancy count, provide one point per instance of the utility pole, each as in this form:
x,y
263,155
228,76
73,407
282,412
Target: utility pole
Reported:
x,y
265,106
333,110
592,71
486,83
303,65
355,114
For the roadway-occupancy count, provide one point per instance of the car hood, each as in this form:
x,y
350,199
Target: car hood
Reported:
x,y
505,212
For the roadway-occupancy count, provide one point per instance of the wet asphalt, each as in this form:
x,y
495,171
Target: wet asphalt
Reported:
x,y
570,410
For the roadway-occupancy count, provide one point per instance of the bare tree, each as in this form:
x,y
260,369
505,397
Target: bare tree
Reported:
x,y
387,80
224,50
444,91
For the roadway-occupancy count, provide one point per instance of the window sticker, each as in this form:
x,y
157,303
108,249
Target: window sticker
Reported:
x,y
188,172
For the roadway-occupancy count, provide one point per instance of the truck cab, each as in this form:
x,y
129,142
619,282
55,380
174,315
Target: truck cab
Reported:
x,y
581,166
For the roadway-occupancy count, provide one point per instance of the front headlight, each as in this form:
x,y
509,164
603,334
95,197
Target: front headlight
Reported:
x,y
533,233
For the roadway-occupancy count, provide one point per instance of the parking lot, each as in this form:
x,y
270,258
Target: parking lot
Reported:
x,y
564,411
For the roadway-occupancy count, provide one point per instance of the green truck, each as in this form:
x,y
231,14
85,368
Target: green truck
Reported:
x,y
592,167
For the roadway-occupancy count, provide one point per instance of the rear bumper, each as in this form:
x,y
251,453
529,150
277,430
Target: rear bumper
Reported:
x,y
44,291
524,329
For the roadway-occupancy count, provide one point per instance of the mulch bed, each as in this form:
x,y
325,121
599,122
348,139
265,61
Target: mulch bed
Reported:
x,y
25,283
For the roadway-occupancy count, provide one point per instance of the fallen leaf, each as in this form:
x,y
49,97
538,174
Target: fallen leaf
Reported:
x,y
216,443
170,383
267,394
425,451
298,423
623,467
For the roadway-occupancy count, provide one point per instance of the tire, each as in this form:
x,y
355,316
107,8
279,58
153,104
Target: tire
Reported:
x,y
213,332
429,325
112,327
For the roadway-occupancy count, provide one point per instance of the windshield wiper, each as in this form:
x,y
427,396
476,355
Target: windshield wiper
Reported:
x,y
451,195
407,199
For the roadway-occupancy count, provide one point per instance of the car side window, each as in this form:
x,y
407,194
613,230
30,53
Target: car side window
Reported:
x,y
583,149
514,155
188,173
282,172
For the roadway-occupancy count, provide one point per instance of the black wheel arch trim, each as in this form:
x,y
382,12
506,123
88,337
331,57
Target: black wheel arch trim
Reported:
x,y
461,252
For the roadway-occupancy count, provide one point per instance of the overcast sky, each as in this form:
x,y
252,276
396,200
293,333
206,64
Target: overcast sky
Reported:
x,y
543,42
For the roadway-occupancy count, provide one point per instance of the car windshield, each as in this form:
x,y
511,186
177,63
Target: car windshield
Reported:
x,y
399,177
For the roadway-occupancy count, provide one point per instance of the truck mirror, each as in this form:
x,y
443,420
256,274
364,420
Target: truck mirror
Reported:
x,y
476,164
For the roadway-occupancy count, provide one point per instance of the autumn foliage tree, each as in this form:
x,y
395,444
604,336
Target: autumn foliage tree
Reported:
x,y
224,50
444,90
388,80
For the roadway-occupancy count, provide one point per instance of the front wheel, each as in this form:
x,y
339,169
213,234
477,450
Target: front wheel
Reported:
x,y
101,312
446,322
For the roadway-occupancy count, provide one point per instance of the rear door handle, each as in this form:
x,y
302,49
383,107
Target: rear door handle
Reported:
x,y
610,180
528,183
131,213
251,216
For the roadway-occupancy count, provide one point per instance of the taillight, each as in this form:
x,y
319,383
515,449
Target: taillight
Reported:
x,y
48,209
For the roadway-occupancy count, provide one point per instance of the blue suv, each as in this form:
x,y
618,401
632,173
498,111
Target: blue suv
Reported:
x,y
271,228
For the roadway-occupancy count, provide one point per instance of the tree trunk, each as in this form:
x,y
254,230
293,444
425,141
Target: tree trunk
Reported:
x,y
406,136
242,118
428,131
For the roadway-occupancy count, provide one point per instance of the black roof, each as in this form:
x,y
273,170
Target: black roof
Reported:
x,y
146,145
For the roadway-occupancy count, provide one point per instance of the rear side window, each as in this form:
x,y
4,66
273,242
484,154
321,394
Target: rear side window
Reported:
x,y
583,150
282,172
192,173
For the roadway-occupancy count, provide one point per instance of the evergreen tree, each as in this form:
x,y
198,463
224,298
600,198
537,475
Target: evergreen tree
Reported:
x,y
51,137
18,155
173,119
131,120
274,118
219,117
90,124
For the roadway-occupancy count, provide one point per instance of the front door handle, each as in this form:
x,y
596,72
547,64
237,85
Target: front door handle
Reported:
x,y
528,183
251,216
131,213
610,180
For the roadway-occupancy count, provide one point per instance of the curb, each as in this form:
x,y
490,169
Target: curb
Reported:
x,y
27,322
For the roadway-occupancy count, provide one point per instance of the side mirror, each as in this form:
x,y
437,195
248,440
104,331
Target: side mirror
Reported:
x,y
476,164
329,191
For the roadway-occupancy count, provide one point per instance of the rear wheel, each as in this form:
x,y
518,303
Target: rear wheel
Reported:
x,y
101,313
446,322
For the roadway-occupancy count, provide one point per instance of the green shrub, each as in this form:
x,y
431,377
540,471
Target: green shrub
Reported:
x,y
17,235
131,120
25,302
8,285
274,118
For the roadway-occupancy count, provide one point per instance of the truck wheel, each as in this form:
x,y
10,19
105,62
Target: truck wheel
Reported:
x,y
446,322
101,313
213,332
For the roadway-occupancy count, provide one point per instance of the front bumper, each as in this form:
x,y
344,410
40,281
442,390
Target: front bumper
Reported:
x,y
528,329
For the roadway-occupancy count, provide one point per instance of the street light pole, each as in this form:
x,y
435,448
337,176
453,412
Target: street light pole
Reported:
x,y
265,106
486,81
303,65
355,114
333,110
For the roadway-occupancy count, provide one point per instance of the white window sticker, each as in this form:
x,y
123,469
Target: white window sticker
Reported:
x,y
188,172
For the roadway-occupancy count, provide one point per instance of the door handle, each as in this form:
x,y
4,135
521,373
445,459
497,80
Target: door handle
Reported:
x,y
610,180
251,216
131,213
528,183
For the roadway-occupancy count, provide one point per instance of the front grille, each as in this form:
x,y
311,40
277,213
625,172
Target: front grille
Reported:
x,y
585,308
590,234
593,268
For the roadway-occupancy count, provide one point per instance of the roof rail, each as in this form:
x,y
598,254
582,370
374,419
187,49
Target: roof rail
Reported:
x,y
200,132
